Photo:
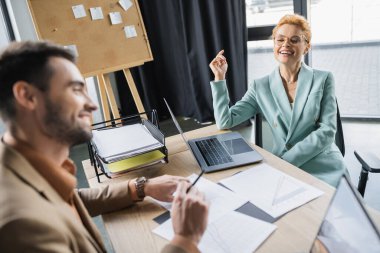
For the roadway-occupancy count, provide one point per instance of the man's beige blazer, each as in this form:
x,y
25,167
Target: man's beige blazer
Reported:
x,y
34,218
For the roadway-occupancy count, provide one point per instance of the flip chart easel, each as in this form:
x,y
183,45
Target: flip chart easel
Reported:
x,y
107,97
102,47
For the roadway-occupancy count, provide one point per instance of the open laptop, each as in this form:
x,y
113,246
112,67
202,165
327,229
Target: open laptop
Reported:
x,y
347,227
219,152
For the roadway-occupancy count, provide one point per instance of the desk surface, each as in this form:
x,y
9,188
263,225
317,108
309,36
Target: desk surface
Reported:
x,y
130,230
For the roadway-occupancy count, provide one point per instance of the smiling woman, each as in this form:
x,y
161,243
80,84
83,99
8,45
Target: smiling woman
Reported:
x,y
297,101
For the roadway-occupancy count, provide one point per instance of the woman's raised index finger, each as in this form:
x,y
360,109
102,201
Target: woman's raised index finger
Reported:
x,y
219,56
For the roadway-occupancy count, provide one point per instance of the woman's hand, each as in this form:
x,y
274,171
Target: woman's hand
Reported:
x,y
219,66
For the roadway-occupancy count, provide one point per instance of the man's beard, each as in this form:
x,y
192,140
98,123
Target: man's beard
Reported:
x,y
70,133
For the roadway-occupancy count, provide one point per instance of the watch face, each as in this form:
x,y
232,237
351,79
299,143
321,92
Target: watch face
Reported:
x,y
141,180
140,183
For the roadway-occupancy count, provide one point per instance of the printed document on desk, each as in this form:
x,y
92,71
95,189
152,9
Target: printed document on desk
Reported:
x,y
232,232
119,142
271,190
221,199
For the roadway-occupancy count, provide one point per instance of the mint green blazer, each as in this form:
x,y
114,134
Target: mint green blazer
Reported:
x,y
304,136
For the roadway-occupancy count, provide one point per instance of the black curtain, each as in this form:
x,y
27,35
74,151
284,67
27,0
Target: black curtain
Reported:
x,y
184,36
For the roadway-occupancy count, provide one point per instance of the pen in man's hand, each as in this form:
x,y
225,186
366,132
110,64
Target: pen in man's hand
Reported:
x,y
199,176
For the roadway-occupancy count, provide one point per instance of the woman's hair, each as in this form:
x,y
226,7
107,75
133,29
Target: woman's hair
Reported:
x,y
294,19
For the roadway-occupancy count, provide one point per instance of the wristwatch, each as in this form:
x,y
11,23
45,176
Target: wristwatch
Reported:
x,y
140,185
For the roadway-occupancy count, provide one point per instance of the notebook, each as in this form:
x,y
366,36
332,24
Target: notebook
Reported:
x,y
347,227
219,152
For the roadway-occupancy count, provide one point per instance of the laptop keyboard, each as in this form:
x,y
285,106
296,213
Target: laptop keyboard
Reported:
x,y
213,152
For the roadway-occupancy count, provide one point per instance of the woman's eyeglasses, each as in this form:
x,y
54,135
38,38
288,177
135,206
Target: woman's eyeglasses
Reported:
x,y
295,40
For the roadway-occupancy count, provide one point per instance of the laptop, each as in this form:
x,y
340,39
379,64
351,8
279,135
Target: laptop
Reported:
x,y
347,227
219,152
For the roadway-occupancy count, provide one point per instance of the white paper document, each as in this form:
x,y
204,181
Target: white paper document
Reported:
x,y
125,4
271,190
96,13
232,232
130,31
79,11
221,199
115,18
123,141
73,48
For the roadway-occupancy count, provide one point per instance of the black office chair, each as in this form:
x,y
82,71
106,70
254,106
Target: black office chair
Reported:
x,y
370,163
339,138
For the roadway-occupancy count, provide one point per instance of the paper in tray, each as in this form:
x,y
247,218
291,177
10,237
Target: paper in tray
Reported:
x,y
134,162
115,143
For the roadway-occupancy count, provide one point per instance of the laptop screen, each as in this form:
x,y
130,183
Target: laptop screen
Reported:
x,y
347,227
176,123
180,130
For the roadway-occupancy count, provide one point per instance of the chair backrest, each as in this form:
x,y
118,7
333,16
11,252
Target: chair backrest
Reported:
x,y
339,138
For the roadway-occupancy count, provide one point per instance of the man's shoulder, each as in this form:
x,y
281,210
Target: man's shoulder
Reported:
x,y
32,222
18,199
34,230
27,218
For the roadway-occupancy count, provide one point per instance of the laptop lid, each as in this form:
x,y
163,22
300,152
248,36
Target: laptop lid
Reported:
x,y
176,123
238,151
180,131
347,227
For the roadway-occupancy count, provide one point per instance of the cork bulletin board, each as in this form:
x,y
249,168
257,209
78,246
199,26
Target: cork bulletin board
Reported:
x,y
107,35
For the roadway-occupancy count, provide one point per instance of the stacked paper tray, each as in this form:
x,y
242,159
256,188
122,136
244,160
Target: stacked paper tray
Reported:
x,y
118,143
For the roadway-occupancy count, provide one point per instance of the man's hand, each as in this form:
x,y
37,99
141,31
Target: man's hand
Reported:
x,y
163,187
189,213
219,66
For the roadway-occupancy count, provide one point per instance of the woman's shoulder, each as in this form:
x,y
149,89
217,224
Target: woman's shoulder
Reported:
x,y
259,83
318,72
262,84
264,80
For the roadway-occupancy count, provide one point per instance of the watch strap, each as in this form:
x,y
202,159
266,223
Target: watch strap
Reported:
x,y
140,187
